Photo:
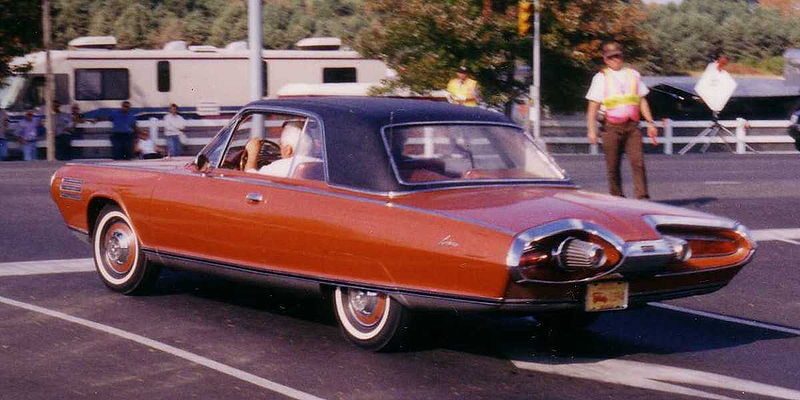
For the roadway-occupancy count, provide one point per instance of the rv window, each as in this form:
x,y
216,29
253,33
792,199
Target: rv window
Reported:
x,y
162,73
101,84
338,75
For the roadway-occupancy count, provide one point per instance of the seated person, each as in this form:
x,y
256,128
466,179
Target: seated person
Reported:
x,y
146,147
295,145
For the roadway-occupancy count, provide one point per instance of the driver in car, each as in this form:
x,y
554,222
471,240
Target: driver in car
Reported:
x,y
295,146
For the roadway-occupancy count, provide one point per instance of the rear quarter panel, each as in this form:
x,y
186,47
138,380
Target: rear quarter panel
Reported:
x,y
376,240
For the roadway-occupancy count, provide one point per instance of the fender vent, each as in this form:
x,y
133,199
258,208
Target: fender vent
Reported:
x,y
71,188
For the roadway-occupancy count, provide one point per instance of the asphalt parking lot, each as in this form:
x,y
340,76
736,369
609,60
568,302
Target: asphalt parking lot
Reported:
x,y
64,335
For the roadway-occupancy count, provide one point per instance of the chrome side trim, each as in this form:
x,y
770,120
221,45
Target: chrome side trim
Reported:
x,y
673,220
419,298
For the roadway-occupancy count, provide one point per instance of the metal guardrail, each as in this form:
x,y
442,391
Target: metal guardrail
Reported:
x,y
667,138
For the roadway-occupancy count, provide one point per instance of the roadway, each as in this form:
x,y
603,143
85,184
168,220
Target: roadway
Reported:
x,y
63,334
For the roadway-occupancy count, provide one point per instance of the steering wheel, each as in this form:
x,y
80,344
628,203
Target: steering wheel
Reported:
x,y
268,151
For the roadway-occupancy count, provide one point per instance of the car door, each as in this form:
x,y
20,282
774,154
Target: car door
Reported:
x,y
178,211
260,221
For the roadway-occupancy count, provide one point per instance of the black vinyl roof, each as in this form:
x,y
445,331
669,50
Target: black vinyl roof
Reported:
x,y
354,148
384,111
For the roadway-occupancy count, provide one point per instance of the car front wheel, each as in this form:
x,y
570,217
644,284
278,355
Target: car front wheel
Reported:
x,y
118,257
370,319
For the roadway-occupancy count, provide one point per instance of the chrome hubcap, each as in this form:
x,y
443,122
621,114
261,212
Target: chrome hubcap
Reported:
x,y
363,302
118,247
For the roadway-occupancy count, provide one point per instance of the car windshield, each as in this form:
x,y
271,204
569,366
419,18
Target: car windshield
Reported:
x,y
434,153
9,90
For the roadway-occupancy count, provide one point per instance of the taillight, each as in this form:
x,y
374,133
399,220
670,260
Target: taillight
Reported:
x,y
566,258
710,247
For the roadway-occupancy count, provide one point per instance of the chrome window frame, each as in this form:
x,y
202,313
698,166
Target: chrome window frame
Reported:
x,y
246,111
564,180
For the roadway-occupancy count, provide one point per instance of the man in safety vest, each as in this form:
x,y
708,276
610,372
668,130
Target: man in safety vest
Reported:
x,y
620,92
462,90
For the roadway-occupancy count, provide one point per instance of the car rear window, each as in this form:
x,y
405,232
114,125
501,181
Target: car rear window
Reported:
x,y
436,153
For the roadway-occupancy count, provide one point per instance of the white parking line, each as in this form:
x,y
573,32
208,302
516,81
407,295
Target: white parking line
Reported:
x,y
192,357
46,267
790,235
656,377
735,320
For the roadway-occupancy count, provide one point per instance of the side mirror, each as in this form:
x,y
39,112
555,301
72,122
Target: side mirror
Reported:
x,y
201,162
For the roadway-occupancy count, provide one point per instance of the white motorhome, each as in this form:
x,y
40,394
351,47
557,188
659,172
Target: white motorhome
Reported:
x,y
202,79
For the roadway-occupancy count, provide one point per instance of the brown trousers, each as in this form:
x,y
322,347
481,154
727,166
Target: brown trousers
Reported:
x,y
619,138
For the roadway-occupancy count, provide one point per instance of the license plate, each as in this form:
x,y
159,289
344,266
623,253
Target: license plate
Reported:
x,y
603,296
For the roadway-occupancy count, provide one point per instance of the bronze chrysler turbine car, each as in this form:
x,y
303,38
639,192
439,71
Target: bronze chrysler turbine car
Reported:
x,y
393,206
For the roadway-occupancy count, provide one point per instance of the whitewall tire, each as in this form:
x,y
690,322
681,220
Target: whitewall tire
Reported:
x,y
370,319
117,253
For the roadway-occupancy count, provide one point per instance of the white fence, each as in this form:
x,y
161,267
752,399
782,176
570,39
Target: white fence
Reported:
x,y
577,129
740,127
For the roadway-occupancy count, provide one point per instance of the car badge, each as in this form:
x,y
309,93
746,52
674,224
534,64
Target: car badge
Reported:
x,y
448,242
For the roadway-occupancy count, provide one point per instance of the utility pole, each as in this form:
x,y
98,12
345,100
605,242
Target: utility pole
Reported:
x,y
536,98
48,84
255,35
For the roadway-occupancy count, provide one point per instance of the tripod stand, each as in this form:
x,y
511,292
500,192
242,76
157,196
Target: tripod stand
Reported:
x,y
716,129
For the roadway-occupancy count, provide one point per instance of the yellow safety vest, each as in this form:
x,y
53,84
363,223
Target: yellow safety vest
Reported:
x,y
621,102
463,93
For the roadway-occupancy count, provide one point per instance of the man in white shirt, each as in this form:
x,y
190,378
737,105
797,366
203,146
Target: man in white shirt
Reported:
x,y
296,146
174,125
621,93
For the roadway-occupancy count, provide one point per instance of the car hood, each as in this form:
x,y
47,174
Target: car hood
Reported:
x,y
516,209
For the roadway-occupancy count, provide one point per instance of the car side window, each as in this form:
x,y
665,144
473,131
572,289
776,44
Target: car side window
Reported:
x,y
291,147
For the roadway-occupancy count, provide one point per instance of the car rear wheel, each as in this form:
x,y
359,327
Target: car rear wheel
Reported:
x,y
118,255
371,320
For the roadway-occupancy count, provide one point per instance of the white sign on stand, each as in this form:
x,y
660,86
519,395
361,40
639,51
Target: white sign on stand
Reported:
x,y
715,87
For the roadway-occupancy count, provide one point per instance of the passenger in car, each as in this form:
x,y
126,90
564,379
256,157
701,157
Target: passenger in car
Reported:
x,y
295,145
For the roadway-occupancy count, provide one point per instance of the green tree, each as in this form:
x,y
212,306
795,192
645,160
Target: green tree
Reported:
x,y
20,30
684,36
231,25
134,26
426,40
71,19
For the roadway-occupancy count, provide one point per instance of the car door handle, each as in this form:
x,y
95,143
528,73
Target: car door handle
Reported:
x,y
254,198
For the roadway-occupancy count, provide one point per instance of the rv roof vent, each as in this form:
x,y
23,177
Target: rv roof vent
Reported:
x,y
236,46
319,43
203,49
93,42
175,45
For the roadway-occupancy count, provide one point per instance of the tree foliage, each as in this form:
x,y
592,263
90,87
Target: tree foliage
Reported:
x,y
20,23
684,36
426,40
152,23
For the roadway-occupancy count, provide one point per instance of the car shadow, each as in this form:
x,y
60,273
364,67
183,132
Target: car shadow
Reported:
x,y
299,304
615,334
643,330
